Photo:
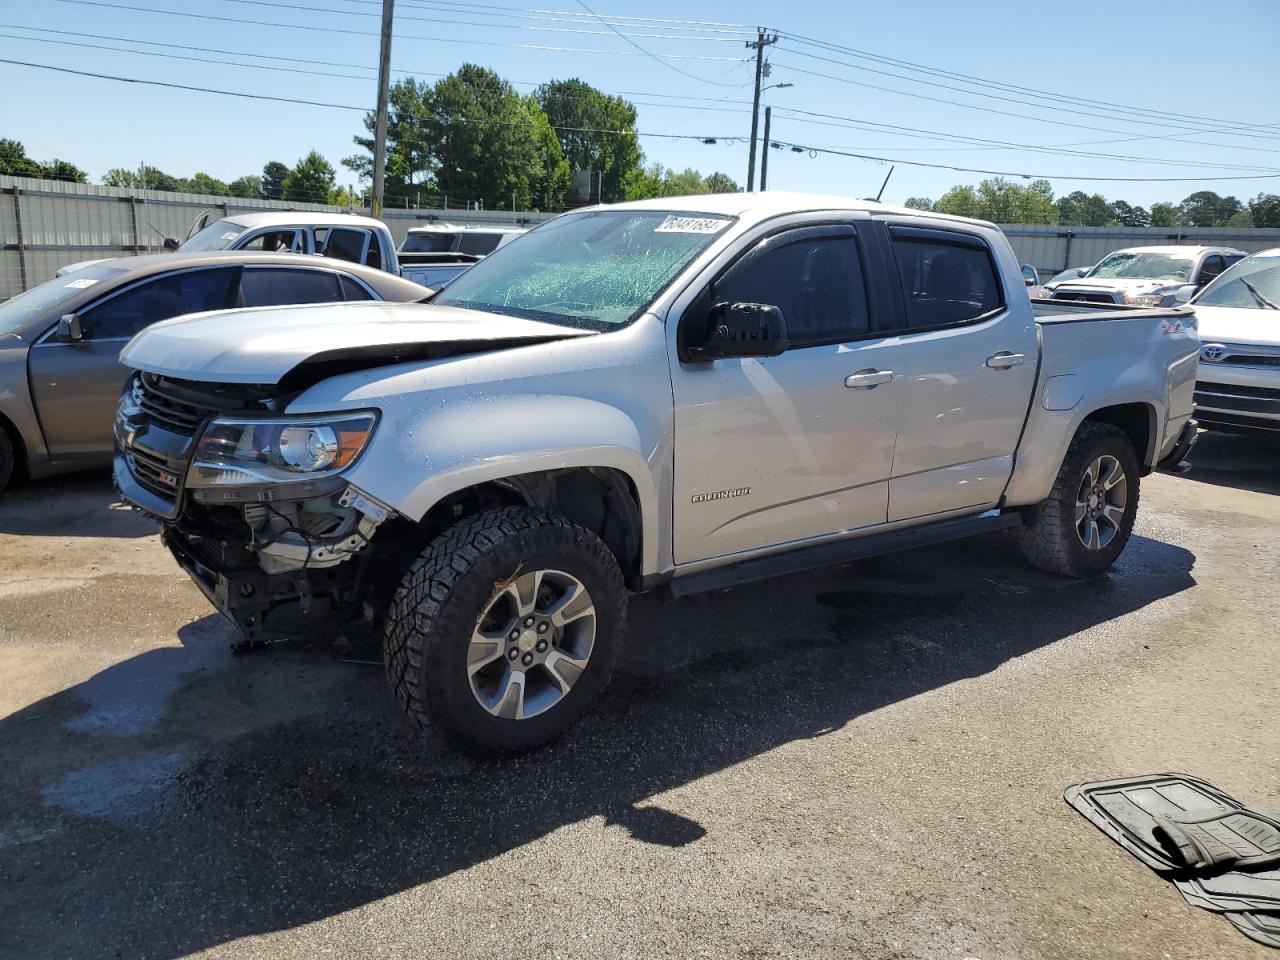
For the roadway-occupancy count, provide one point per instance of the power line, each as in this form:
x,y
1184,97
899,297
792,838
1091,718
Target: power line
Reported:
x,y
968,106
800,148
648,53
345,106
992,96
374,33
1143,112
472,23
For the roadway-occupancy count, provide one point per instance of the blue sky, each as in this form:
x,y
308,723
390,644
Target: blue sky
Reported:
x,y
1186,59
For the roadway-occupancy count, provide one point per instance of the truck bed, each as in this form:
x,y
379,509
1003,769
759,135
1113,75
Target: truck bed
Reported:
x,y
1071,311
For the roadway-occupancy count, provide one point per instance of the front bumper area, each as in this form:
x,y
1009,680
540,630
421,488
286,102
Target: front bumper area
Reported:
x,y
1238,404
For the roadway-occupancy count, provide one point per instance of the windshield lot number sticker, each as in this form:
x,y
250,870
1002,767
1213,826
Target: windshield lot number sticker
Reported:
x,y
691,225
81,284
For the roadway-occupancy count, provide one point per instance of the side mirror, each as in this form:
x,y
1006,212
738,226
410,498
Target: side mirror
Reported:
x,y
69,328
170,244
1029,282
743,330
1184,294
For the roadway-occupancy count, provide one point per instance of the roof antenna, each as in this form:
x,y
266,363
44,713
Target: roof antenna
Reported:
x,y
885,184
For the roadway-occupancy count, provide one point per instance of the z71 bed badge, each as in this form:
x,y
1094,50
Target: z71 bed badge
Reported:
x,y
720,495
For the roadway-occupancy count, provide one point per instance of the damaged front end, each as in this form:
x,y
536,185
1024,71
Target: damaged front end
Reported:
x,y
253,502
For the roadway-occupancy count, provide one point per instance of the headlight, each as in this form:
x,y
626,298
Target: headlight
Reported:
x,y
1144,299
241,452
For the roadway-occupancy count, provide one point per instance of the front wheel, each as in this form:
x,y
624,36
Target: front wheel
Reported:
x,y
505,628
1083,526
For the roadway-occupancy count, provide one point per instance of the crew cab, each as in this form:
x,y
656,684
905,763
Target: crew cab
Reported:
x,y
436,254
1238,386
1149,276
340,236
679,394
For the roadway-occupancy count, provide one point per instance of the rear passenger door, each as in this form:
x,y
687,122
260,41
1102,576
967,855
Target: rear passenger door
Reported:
x,y
970,359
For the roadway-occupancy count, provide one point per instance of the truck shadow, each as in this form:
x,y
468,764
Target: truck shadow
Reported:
x,y
243,796
72,505
1243,461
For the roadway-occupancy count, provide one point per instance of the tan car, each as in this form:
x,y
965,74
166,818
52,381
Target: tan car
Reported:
x,y
60,376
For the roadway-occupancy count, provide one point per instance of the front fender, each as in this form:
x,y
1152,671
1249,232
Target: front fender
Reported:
x,y
419,457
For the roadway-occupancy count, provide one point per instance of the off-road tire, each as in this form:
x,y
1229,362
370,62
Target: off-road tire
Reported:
x,y
434,612
8,459
1049,540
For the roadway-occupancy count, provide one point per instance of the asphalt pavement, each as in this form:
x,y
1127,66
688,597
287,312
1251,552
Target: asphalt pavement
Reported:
x,y
864,763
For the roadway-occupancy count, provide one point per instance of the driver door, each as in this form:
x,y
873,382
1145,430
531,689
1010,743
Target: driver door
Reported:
x,y
773,450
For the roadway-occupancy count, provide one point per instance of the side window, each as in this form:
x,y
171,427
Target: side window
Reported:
x,y
277,286
345,243
1213,266
354,291
478,244
160,299
943,282
274,241
816,281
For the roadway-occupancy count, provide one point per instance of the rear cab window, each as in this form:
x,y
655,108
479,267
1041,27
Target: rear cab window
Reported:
x,y
947,277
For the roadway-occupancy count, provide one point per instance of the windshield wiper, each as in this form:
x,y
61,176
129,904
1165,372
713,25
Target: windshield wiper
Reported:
x,y
1262,301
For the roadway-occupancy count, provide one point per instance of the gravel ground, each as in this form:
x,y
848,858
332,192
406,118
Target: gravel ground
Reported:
x,y
866,763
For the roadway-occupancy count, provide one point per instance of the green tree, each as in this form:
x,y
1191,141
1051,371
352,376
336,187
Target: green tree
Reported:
x,y
248,186
470,136
644,183
273,174
63,170
960,202
203,183
15,162
721,183
1264,210
310,181
687,183
1204,208
1003,201
596,132
918,203
1241,218
1129,216
1083,209
1164,215
550,177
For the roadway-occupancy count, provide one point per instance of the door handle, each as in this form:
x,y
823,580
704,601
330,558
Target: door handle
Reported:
x,y
1004,360
868,378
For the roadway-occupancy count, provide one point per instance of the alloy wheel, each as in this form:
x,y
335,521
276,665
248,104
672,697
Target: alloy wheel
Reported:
x,y
1100,503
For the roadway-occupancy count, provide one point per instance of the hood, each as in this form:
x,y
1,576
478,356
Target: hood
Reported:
x,y
1238,325
297,346
1122,285
80,265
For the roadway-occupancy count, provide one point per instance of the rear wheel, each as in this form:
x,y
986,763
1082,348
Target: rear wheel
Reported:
x,y
505,628
1083,526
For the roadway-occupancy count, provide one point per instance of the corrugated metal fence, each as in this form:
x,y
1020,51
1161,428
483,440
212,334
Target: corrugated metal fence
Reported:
x,y
45,224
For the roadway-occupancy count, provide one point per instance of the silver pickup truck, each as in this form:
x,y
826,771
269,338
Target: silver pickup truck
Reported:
x,y
677,394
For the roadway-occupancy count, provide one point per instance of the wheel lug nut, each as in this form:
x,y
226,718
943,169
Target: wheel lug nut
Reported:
x,y
528,621
527,659
514,635
513,653
542,645
542,627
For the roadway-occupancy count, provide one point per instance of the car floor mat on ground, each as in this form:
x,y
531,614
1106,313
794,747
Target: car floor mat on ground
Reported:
x,y
1235,890
1235,839
1262,927
1127,810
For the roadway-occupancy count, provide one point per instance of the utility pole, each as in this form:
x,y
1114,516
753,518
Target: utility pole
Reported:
x,y
380,129
762,40
764,150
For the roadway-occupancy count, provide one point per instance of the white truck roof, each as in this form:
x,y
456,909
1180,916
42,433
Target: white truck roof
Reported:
x,y
769,203
459,228
283,218
1184,249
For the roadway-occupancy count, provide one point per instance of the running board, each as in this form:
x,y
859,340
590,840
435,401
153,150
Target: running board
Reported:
x,y
840,551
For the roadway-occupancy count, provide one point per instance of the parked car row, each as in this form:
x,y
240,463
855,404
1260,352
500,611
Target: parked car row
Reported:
x,y
60,375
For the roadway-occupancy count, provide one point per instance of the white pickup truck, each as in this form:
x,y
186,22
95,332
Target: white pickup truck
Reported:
x,y
678,394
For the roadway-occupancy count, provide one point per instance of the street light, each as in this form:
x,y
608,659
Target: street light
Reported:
x,y
768,115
